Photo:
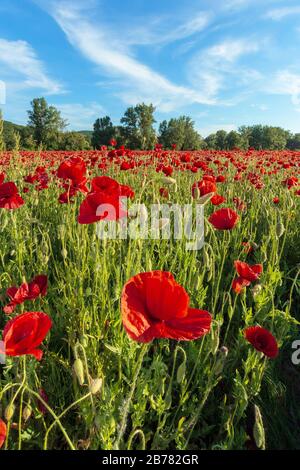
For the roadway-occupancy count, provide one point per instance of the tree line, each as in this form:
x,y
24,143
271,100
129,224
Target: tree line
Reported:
x,y
47,129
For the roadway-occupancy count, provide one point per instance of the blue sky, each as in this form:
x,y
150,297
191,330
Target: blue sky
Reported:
x,y
224,62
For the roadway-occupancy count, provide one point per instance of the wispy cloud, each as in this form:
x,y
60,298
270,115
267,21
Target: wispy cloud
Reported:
x,y
280,13
210,69
162,33
21,65
287,83
80,116
137,81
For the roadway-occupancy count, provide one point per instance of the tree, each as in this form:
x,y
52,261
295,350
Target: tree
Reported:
x,y
137,127
45,121
210,141
221,140
74,141
233,140
180,132
293,142
103,132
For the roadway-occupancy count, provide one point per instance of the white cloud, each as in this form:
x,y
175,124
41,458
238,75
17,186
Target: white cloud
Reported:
x,y
279,13
210,69
287,83
136,80
164,32
22,66
80,116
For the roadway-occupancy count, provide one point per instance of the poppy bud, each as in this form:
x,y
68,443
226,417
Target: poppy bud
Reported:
x,y
27,412
206,258
95,386
256,290
169,180
79,370
9,411
196,193
181,372
204,199
258,429
280,229
220,362
64,253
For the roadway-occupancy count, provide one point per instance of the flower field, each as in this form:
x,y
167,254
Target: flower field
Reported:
x,y
141,343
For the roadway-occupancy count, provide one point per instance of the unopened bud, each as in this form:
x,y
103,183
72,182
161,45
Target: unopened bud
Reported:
x,y
256,290
95,386
204,199
9,412
258,429
27,412
64,253
220,362
280,229
79,370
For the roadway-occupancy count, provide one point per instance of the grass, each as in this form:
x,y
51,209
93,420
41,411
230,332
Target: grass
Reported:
x,y
162,395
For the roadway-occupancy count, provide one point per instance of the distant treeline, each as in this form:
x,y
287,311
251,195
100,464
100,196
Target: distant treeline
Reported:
x,y
46,129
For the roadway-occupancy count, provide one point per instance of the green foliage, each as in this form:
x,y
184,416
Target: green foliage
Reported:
x,y
45,121
103,132
137,130
181,132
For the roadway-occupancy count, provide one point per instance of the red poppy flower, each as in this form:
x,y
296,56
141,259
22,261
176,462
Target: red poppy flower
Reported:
x,y
2,432
154,306
224,219
248,272
239,283
113,142
99,206
262,340
73,169
9,196
105,184
217,199
276,200
18,295
205,186
23,334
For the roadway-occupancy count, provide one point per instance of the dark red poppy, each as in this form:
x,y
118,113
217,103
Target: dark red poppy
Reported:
x,y
23,334
276,200
249,272
262,340
2,432
9,196
224,219
154,305
217,199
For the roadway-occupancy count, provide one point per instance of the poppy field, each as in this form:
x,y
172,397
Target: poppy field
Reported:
x,y
141,343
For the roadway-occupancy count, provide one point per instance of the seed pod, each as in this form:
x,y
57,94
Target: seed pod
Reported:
x,y
169,180
280,229
181,372
256,290
204,199
258,429
95,386
220,362
9,411
79,370
27,412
